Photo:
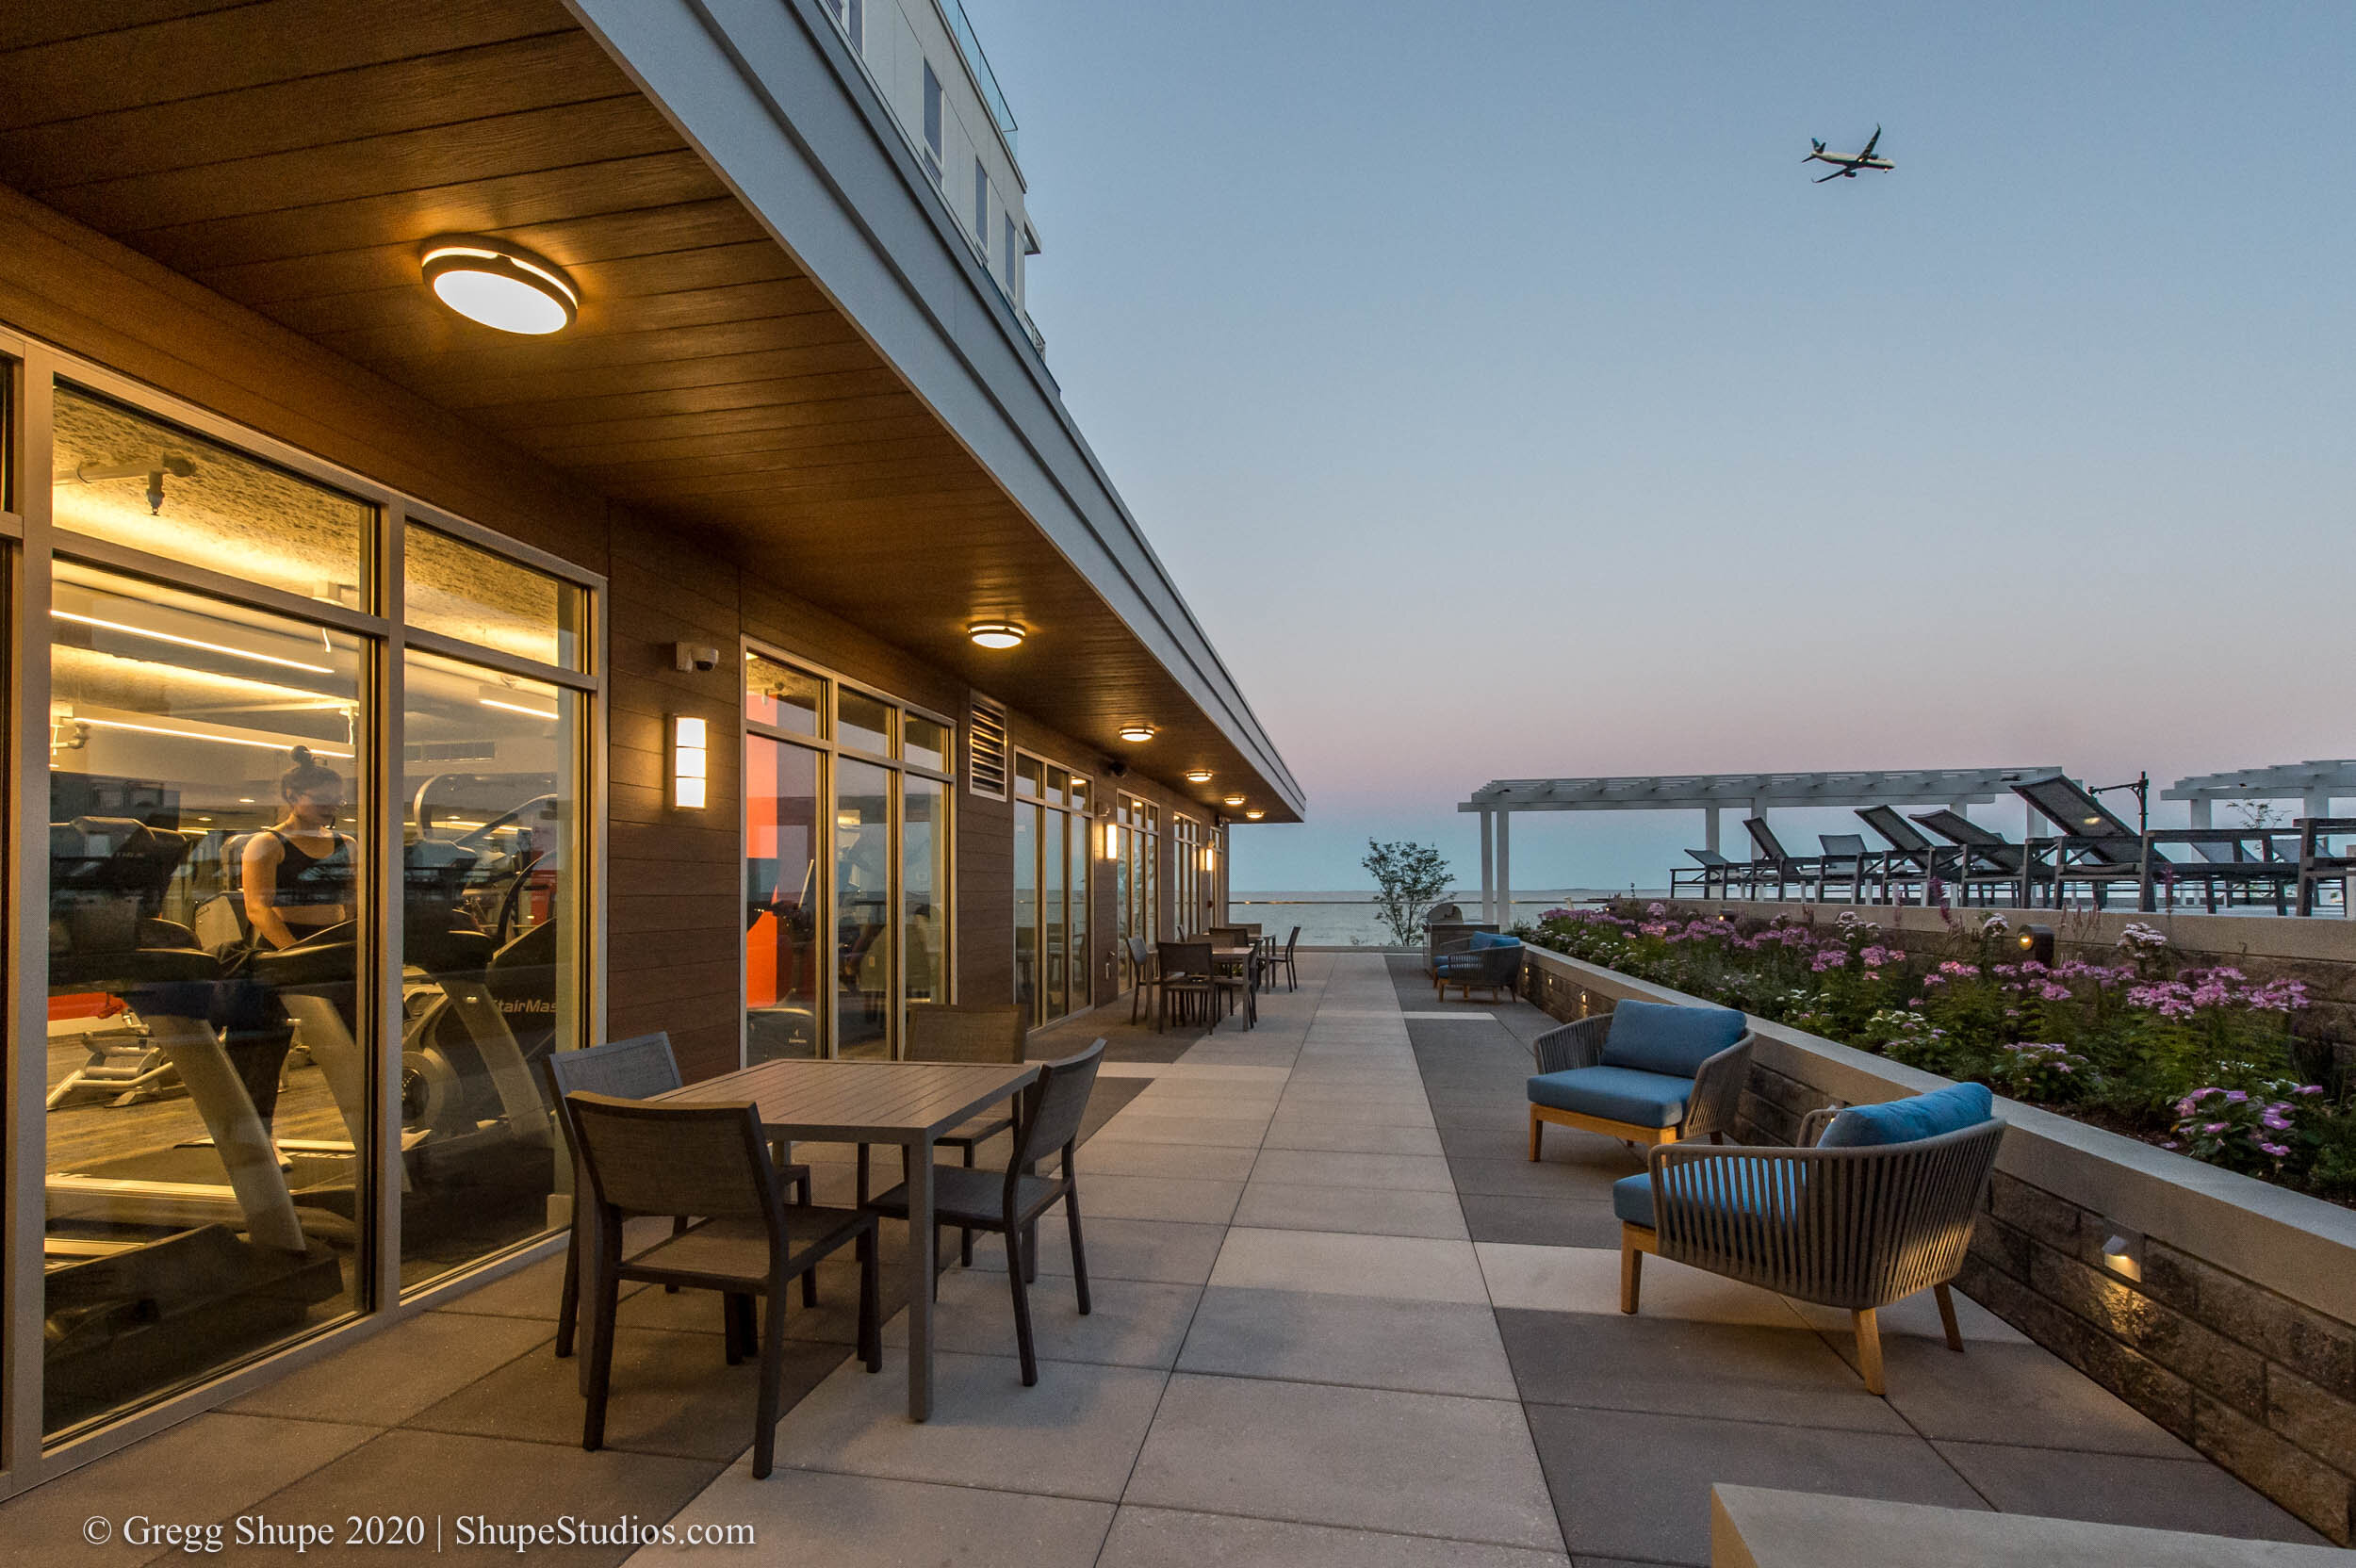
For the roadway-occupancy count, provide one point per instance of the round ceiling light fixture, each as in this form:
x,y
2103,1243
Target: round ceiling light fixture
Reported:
x,y
1136,733
1198,775
997,635
1235,800
1254,815
499,285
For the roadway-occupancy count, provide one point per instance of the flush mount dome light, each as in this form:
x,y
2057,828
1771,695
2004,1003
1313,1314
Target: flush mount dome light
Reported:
x,y
1235,800
1254,815
1136,733
1198,775
996,634
499,285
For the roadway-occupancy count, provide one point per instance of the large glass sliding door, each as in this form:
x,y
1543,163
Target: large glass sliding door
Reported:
x,y
1136,851
846,864
1051,890
316,830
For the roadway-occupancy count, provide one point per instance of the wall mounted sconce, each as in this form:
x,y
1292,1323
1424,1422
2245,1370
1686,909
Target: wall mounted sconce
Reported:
x,y
690,763
1210,859
2122,1253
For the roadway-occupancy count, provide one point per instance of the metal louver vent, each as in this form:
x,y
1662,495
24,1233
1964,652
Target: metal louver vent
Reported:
x,y
986,748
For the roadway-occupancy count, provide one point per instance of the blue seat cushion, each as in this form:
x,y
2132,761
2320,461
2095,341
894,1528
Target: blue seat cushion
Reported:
x,y
1654,1037
1921,1115
1493,939
1748,1187
1615,1094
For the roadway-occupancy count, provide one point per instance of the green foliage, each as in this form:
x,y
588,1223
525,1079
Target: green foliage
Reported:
x,y
2202,1059
1408,877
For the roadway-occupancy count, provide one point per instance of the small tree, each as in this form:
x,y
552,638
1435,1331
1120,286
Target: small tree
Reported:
x,y
1408,877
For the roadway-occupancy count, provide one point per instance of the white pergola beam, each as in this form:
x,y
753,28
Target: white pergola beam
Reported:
x,y
2308,781
1753,792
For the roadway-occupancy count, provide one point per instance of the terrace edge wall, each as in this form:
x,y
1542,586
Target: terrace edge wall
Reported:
x,y
2240,1337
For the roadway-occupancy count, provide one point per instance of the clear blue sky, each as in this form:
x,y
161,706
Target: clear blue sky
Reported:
x,y
1506,403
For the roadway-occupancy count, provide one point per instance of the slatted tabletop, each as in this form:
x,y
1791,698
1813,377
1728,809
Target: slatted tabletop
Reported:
x,y
864,1102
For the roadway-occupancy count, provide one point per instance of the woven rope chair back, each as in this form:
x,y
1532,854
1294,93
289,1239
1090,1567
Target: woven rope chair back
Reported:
x,y
706,1159
1054,1106
944,1032
634,1068
1184,960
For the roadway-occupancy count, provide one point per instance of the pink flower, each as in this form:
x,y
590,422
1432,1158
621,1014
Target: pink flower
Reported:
x,y
2053,993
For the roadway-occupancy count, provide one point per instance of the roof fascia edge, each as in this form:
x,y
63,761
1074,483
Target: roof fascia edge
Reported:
x,y
898,269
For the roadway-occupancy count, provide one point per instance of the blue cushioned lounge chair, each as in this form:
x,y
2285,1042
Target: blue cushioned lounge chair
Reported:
x,y
1492,963
1644,1073
1881,1206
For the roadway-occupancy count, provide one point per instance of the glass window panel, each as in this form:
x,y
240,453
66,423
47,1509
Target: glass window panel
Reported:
x,y
491,929
1053,922
1058,786
782,992
1026,991
1079,794
1076,837
458,590
923,888
204,1201
862,908
782,696
1026,776
925,744
1125,917
125,477
863,723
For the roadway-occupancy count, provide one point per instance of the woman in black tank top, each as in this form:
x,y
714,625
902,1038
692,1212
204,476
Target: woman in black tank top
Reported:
x,y
297,876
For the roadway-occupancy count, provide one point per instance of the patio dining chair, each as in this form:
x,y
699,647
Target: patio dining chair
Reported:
x,y
639,1068
946,1032
1287,958
1142,973
1184,971
1877,1204
1047,1124
711,1160
1645,1072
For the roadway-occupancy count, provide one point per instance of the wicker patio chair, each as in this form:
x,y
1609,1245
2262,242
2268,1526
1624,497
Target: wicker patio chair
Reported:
x,y
635,1068
1648,1089
1857,1228
1495,967
712,1160
944,1032
1046,1124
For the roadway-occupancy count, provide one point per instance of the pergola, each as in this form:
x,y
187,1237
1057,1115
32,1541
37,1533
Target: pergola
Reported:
x,y
2313,784
1755,793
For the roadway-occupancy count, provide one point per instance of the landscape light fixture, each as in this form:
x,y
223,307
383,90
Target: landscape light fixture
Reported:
x,y
1198,775
1136,733
691,762
499,285
996,634
2036,942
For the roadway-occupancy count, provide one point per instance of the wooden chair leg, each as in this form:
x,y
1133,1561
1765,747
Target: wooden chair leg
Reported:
x,y
772,1380
1079,1253
871,1298
1632,1271
1868,1348
1537,1129
1015,1263
1947,1316
604,1291
568,1303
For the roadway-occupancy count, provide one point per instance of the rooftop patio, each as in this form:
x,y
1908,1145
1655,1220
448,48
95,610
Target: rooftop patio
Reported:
x,y
1339,1317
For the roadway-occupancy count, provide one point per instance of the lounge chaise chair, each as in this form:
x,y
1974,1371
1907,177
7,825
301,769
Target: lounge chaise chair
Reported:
x,y
1988,859
1771,858
1911,859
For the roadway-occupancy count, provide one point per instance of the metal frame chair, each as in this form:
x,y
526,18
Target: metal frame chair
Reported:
x,y
1283,958
1854,1228
639,1068
1047,1122
712,1160
953,1032
1709,1109
1182,968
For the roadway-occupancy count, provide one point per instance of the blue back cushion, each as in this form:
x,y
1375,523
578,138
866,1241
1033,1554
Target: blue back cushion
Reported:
x,y
1921,1115
1654,1037
1492,939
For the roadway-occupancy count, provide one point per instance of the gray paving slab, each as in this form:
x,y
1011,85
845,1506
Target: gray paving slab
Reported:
x,y
808,1517
2010,1393
1320,1167
1403,1268
1368,1211
1351,1136
384,1379
1420,1347
2123,1489
1540,1221
1107,1155
1365,1459
1168,1538
1130,1323
1164,1250
1198,1201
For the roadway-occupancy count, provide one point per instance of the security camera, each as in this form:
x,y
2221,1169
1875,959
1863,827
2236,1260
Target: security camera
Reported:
x,y
695,658
1116,767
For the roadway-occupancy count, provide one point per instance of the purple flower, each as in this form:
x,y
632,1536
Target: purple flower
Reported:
x,y
2217,1127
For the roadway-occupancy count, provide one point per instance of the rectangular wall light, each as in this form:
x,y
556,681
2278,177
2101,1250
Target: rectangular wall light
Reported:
x,y
691,759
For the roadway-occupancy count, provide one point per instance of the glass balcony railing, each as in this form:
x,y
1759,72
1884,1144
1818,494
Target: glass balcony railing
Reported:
x,y
971,47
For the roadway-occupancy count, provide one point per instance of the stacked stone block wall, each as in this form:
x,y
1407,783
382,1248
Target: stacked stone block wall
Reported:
x,y
2262,1386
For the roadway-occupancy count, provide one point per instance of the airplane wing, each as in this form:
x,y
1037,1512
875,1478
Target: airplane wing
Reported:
x,y
1871,145
1836,175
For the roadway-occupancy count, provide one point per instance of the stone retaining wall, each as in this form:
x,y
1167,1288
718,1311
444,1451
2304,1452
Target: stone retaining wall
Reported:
x,y
2258,1379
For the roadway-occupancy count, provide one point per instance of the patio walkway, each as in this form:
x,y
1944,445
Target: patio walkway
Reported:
x,y
1340,1319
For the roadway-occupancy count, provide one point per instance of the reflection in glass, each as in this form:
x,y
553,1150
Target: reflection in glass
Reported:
x,y
861,723
459,590
925,744
1076,840
1026,908
782,990
208,1069
924,881
1123,905
123,477
491,981
862,908
782,696
1052,997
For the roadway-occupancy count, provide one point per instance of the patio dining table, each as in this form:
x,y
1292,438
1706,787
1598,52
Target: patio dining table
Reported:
x,y
909,1103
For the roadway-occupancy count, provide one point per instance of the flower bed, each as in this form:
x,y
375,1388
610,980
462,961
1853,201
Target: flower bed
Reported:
x,y
2202,1060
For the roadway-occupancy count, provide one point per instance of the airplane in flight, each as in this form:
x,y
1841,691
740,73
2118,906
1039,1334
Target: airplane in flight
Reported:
x,y
1847,167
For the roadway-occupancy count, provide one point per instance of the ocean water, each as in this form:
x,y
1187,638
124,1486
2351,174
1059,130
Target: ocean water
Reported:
x,y
1351,919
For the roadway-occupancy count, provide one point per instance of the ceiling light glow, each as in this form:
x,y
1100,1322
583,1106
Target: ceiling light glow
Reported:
x,y
499,285
1136,733
996,634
